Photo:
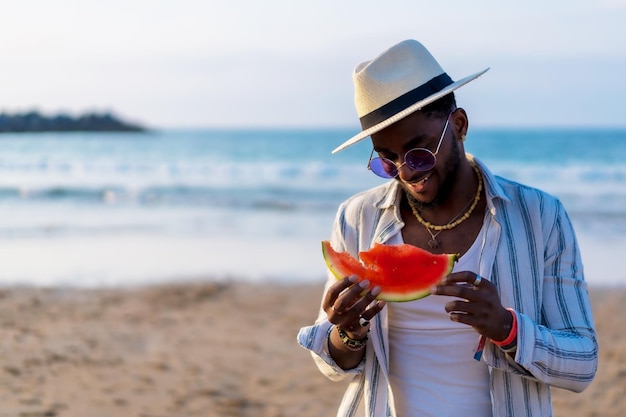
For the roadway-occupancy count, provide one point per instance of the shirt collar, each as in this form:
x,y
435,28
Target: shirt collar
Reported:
x,y
493,189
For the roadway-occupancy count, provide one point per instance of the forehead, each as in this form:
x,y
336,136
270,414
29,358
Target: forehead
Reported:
x,y
414,130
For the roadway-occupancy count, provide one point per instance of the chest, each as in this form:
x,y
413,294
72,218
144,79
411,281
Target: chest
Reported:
x,y
455,240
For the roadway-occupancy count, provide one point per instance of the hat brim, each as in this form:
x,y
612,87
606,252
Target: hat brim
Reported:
x,y
411,109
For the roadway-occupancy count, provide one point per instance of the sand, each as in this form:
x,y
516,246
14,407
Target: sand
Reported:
x,y
206,349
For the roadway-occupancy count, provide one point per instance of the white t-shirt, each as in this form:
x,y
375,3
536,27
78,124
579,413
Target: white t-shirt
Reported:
x,y
432,367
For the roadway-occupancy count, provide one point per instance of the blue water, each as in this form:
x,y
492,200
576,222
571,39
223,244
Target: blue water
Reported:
x,y
109,209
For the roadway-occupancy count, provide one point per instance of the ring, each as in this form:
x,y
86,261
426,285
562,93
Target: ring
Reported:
x,y
476,282
363,322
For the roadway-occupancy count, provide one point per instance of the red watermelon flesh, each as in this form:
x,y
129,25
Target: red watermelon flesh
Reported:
x,y
403,272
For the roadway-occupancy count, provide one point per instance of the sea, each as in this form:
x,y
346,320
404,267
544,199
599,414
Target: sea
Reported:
x,y
127,209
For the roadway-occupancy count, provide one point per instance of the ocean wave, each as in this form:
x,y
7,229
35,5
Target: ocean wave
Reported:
x,y
279,171
269,198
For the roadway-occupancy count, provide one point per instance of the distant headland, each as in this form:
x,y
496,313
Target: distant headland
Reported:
x,y
33,121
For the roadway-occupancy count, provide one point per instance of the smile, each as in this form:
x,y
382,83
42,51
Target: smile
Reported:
x,y
421,181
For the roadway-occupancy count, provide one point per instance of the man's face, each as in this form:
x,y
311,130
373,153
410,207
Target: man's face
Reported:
x,y
429,188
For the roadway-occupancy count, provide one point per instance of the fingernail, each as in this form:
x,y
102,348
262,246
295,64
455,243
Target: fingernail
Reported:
x,y
364,284
375,291
353,278
433,290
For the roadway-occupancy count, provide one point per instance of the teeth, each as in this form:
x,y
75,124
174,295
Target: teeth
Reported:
x,y
422,181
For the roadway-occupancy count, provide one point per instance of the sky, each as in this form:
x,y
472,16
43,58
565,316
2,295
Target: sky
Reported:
x,y
274,63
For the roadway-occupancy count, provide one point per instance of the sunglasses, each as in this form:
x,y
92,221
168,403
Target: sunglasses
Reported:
x,y
418,159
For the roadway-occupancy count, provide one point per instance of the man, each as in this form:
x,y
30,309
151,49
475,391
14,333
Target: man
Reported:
x,y
513,318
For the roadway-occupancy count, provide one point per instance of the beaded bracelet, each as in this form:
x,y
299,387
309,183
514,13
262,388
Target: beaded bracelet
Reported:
x,y
508,341
352,344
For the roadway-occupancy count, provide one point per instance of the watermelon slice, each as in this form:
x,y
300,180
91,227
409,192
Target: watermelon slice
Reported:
x,y
403,272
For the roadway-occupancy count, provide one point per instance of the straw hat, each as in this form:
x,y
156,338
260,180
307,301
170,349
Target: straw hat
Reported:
x,y
400,81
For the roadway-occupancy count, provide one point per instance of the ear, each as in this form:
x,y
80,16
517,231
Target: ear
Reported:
x,y
460,123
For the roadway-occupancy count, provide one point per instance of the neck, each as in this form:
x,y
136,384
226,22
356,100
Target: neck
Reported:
x,y
464,183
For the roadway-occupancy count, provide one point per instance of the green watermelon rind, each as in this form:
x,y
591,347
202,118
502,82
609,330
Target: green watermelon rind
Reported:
x,y
335,267
387,295
401,298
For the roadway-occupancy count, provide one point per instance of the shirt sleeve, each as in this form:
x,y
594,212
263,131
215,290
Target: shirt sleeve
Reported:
x,y
316,337
561,349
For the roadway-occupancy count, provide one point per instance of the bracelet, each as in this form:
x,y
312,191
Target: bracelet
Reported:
x,y
508,341
511,349
352,344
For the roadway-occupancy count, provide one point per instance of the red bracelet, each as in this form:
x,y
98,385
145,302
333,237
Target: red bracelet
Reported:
x,y
512,334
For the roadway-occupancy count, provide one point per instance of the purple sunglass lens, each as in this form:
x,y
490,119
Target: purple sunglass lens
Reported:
x,y
420,159
383,168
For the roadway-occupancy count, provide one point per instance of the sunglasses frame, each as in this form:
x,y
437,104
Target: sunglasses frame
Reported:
x,y
397,170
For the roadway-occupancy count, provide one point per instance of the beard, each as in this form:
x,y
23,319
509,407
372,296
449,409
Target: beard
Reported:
x,y
451,168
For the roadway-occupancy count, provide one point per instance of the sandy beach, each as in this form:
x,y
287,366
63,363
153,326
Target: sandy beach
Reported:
x,y
206,349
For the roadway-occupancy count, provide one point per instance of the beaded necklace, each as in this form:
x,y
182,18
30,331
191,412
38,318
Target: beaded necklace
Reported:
x,y
454,222
433,243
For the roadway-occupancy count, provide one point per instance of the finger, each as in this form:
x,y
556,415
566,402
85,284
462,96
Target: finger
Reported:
x,y
457,290
362,326
463,277
343,312
462,307
463,311
337,288
462,284
351,296
359,307
461,318
373,310
356,319
368,315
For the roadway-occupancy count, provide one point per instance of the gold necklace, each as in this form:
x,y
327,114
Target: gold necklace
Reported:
x,y
434,243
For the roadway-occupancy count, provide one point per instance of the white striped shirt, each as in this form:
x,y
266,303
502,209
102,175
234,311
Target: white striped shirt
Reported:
x,y
530,254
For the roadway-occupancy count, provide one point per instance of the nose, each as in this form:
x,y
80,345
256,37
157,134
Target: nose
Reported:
x,y
405,172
